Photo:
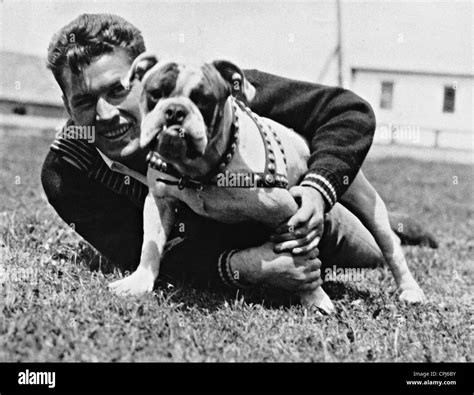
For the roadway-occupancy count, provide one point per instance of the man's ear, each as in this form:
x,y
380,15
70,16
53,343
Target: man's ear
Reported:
x,y
139,67
234,76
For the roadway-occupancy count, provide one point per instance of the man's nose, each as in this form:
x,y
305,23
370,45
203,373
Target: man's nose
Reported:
x,y
175,114
105,110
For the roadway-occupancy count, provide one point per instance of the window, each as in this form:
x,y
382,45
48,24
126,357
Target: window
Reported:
x,y
449,99
386,96
19,110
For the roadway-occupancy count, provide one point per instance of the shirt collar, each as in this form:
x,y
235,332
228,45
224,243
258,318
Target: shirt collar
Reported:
x,y
121,168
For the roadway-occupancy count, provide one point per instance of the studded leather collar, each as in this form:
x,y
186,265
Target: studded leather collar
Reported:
x,y
269,178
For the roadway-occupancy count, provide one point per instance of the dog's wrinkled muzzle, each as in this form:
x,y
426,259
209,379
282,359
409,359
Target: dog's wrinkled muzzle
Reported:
x,y
171,142
180,141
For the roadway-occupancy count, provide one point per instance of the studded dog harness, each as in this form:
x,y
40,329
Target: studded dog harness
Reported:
x,y
269,178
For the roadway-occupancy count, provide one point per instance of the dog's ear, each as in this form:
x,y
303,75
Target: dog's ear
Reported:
x,y
234,76
139,67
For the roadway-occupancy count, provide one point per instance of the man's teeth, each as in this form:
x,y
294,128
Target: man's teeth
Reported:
x,y
117,132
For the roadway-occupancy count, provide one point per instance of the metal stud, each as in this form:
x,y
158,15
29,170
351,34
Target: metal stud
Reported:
x,y
271,167
269,180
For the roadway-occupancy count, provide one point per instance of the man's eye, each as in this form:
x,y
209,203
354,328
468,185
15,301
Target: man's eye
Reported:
x,y
118,91
83,103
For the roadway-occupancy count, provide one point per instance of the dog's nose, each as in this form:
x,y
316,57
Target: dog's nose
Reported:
x,y
175,114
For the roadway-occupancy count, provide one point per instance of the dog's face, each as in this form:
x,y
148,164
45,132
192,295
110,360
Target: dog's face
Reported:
x,y
182,106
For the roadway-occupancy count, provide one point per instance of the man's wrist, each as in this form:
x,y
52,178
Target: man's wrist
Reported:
x,y
318,197
234,270
322,185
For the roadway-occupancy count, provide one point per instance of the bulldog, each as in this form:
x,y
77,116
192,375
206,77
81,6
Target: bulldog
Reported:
x,y
200,134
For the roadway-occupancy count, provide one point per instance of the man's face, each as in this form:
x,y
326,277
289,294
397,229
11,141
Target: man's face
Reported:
x,y
95,97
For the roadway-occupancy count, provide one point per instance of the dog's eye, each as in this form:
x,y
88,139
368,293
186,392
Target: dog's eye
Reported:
x,y
156,94
205,103
152,98
150,103
201,99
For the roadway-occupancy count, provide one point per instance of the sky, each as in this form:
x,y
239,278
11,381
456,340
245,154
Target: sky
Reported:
x,y
290,38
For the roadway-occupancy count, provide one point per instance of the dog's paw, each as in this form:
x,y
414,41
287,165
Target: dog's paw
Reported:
x,y
326,306
138,283
412,295
319,300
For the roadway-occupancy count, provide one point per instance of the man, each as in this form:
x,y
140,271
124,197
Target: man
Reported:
x,y
98,186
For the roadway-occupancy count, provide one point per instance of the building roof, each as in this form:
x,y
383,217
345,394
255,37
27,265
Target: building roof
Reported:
x,y
355,70
25,78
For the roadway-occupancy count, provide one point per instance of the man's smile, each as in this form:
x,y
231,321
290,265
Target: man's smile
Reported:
x,y
117,133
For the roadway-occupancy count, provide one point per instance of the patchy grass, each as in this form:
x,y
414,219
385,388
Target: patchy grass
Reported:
x,y
55,308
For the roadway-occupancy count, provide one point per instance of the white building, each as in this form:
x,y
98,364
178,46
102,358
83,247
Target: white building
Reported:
x,y
30,99
432,109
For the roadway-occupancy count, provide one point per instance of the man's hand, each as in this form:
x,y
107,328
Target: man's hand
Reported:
x,y
303,231
261,265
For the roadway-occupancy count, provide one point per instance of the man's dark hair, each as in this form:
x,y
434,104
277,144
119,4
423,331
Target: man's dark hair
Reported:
x,y
89,36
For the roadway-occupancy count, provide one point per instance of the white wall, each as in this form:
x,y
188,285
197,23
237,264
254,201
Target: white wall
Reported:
x,y
418,106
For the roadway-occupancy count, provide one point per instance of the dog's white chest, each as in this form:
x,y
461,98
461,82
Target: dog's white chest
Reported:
x,y
269,206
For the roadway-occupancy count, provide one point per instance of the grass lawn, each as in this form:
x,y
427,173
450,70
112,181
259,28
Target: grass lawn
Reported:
x,y
55,308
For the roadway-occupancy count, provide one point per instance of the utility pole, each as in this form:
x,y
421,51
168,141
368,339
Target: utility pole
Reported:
x,y
339,44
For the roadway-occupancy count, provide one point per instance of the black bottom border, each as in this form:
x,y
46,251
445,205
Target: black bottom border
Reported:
x,y
238,377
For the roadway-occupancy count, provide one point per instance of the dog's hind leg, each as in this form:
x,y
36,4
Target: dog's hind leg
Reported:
x,y
363,200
